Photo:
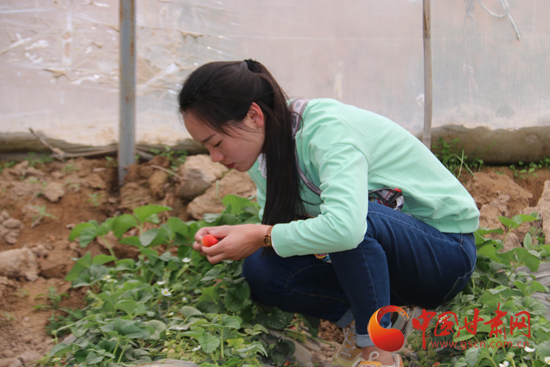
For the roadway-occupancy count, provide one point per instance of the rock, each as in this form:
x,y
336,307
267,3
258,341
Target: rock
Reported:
x,y
7,285
146,171
198,174
29,356
169,363
4,215
53,191
543,206
13,223
39,251
10,228
20,169
19,263
157,182
234,182
11,237
16,363
160,161
95,181
31,171
53,266
132,195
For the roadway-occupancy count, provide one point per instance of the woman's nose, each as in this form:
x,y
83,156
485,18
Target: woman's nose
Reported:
x,y
215,155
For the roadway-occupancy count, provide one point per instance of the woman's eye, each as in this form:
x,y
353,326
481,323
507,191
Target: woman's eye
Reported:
x,y
218,144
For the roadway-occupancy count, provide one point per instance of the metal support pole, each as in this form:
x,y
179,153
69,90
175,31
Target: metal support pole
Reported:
x,y
428,98
127,129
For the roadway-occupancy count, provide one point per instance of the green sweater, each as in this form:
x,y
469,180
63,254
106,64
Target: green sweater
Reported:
x,y
346,151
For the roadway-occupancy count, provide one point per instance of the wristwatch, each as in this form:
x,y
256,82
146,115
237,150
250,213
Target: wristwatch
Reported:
x,y
267,238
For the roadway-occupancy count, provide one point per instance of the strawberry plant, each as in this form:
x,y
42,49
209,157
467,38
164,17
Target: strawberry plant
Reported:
x,y
168,303
486,322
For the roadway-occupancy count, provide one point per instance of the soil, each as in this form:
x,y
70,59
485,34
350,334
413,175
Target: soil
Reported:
x,y
87,189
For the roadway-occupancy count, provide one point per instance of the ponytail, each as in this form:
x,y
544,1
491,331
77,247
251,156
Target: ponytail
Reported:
x,y
220,95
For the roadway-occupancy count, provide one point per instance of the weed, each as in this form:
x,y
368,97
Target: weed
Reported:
x,y
111,162
72,185
95,199
53,297
35,159
453,161
6,165
41,213
9,317
176,158
22,292
70,167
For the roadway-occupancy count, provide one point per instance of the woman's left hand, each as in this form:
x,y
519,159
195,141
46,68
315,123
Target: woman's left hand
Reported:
x,y
237,242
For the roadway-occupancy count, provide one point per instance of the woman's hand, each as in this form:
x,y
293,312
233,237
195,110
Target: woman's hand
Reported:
x,y
235,242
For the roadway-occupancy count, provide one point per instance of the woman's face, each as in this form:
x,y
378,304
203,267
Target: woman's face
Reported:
x,y
238,150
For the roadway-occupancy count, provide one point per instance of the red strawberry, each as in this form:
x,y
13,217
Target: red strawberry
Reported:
x,y
209,240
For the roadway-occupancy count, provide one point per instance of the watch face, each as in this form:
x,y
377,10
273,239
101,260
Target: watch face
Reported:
x,y
267,241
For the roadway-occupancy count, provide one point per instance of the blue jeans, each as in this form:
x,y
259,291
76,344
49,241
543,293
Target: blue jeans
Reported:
x,y
401,261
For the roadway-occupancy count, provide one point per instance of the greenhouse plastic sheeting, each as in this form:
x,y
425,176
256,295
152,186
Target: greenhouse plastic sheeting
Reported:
x,y
59,60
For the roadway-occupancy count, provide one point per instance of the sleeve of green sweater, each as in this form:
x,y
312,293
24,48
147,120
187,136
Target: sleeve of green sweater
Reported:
x,y
343,172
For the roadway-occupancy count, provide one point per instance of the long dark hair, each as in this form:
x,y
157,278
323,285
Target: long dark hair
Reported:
x,y
220,95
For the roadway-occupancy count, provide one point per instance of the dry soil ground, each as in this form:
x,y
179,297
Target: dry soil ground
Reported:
x,y
85,189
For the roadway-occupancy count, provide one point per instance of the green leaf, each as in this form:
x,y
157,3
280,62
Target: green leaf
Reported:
x,y
537,287
472,356
148,213
527,258
208,342
60,349
236,297
148,237
109,297
123,223
87,235
278,319
127,328
75,232
105,227
93,358
528,241
510,223
125,264
128,306
189,311
102,259
131,240
543,349
81,264
209,295
232,322
157,326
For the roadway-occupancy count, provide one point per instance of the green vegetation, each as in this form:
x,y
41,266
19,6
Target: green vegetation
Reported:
x,y
70,168
169,304
175,157
40,214
500,292
455,160
36,159
95,198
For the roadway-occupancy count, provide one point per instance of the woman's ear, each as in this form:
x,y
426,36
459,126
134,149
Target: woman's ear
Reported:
x,y
257,115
